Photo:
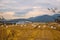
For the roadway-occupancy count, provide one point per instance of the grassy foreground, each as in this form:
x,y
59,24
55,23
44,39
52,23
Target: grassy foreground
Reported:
x,y
29,32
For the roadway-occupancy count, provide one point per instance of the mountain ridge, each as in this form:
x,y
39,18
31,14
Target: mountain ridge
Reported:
x,y
43,18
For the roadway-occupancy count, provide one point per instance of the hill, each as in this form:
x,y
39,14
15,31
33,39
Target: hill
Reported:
x,y
44,18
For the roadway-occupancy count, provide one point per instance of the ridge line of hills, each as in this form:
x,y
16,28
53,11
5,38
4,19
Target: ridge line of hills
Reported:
x,y
43,18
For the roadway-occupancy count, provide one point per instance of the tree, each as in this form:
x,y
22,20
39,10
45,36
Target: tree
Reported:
x,y
58,19
1,17
1,20
54,11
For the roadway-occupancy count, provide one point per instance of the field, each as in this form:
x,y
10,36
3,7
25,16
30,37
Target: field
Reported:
x,y
33,31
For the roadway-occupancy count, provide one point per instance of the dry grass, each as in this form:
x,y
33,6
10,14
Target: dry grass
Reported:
x,y
30,32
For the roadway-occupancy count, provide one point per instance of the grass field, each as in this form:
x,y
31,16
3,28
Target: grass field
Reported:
x,y
30,32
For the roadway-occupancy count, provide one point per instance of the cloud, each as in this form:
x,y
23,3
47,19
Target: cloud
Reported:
x,y
23,4
27,8
27,13
38,12
7,15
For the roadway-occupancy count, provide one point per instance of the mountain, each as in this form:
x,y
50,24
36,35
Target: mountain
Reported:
x,y
44,18
19,20
56,15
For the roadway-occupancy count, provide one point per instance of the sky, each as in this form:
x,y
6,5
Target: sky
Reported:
x,y
12,9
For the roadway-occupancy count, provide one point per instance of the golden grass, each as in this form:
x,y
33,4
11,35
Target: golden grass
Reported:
x,y
28,32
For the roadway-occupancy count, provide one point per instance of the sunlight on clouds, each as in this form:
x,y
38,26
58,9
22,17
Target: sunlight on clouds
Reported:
x,y
35,12
29,8
38,12
8,15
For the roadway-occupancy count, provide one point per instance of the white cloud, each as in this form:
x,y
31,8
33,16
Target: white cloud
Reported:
x,y
38,12
22,5
8,15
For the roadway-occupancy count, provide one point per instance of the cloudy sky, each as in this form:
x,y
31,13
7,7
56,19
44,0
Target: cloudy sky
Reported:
x,y
12,9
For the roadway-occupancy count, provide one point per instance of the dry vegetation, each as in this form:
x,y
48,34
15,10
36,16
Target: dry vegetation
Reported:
x,y
34,31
